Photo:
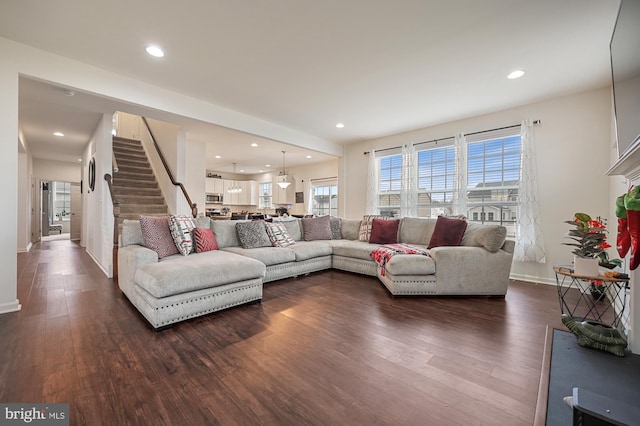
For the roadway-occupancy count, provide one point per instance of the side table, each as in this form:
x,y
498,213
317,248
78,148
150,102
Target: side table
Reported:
x,y
581,305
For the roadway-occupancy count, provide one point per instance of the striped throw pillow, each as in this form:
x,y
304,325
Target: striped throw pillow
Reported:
x,y
278,234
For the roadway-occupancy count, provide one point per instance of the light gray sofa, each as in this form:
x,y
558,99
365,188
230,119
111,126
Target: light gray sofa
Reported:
x,y
181,287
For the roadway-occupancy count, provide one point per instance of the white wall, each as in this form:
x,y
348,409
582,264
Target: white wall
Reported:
x,y
61,171
573,145
9,185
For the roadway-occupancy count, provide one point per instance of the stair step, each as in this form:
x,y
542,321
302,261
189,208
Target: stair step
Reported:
x,y
140,199
128,168
126,141
130,155
142,209
119,150
132,162
128,191
137,185
126,176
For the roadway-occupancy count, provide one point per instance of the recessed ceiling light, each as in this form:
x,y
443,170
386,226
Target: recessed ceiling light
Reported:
x,y
254,144
515,74
241,170
217,156
340,125
260,171
155,51
59,134
267,165
79,159
308,156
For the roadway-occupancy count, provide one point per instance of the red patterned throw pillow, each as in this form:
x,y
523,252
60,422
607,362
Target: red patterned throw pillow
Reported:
x,y
205,240
157,236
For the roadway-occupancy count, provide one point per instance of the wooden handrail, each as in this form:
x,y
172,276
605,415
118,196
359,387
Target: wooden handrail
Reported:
x,y
116,216
194,207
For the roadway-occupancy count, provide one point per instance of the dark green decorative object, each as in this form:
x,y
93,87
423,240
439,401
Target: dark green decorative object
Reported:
x,y
596,335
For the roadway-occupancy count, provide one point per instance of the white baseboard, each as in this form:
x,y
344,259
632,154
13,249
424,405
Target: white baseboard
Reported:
x,y
10,307
26,249
529,278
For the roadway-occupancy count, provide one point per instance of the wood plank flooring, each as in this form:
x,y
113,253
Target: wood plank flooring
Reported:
x,y
331,348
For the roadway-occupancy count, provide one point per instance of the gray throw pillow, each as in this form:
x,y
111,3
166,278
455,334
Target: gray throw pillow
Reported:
x,y
253,234
317,228
336,228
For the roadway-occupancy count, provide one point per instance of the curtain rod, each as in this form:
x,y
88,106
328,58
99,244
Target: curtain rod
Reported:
x,y
453,137
325,178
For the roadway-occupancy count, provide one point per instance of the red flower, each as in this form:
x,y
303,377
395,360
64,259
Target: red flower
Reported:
x,y
596,224
597,282
604,245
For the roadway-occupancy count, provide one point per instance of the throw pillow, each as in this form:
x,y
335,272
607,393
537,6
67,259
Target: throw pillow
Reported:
x,y
384,231
278,234
157,236
336,228
181,228
365,226
491,237
252,234
205,239
448,232
316,228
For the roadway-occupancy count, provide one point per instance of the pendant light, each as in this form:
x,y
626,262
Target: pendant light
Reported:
x,y
234,188
283,180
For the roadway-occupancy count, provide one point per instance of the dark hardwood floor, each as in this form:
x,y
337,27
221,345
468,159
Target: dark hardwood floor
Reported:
x,y
329,348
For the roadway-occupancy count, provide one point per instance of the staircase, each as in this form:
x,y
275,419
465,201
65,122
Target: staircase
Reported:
x,y
134,184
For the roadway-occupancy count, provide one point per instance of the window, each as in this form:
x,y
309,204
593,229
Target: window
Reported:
x,y
436,177
389,184
493,174
264,201
61,200
325,199
493,167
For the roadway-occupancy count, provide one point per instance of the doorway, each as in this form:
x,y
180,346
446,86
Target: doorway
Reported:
x,y
61,210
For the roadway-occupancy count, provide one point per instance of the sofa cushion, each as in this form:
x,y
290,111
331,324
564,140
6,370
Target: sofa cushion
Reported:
x,y
356,249
317,228
336,228
226,234
205,240
267,255
253,234
414,230
131,233
350,229
410,264
157,236
293,224
448,232
384,231
177,274
278,234
181,228
305,250
491,237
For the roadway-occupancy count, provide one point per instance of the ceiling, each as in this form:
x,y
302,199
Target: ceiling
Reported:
x,y
379,67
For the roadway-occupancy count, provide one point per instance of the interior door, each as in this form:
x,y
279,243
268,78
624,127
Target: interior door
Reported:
x,y
76,211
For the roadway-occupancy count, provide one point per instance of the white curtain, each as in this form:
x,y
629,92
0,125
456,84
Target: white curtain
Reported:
x,y
372,184
409,185
308,193
529,242
460,190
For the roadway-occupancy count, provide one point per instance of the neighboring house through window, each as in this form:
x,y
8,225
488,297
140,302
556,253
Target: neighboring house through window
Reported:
x,y
325,199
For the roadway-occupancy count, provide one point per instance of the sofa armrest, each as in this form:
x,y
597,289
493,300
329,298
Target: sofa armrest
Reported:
x,y
130,259
474,269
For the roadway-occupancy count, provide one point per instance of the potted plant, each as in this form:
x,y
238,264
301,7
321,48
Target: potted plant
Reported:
x,y
590,241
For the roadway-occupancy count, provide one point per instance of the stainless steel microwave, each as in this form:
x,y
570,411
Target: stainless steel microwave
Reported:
x,y
214,198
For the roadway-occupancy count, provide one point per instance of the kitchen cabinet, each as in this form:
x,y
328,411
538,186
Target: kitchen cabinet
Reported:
x,y
247,197
214,186
283,196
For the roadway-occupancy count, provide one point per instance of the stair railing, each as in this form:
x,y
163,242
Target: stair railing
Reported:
x,y
194,207
116,216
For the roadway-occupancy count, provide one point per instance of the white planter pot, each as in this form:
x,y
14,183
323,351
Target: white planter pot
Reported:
x,y
587,267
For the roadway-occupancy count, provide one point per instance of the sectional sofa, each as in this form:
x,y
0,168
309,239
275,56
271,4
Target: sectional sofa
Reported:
x,y
178,287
